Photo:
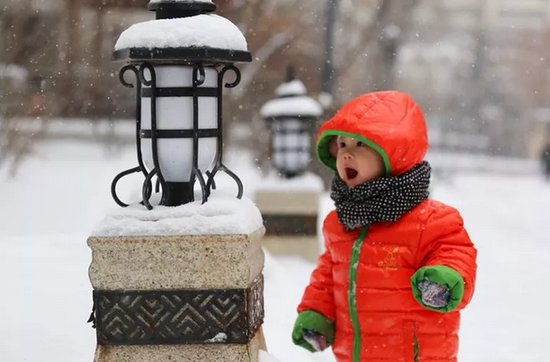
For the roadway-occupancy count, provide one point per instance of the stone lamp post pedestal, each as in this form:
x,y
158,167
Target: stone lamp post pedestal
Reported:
x,y
179,284
289,208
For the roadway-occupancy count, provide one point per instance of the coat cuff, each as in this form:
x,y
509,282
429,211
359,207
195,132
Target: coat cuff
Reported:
x,y
443,275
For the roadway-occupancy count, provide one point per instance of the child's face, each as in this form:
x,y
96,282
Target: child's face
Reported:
x,y
357,163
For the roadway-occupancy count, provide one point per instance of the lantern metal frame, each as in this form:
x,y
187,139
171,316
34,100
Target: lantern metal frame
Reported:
x,y
142,62
155,134
303,130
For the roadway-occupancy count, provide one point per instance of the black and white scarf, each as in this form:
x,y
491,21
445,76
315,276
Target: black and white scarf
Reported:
x,y
381,200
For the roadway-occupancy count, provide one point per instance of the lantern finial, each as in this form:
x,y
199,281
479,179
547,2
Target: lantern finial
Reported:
x,y
171,9
290,74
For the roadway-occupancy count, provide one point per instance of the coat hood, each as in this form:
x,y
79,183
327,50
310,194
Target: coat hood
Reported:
x,y
389,121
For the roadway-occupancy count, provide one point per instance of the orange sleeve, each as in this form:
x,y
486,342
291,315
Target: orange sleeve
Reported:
x,y
318,295
445,242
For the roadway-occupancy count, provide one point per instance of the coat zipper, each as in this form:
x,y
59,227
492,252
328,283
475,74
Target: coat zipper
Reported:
x,y
352,301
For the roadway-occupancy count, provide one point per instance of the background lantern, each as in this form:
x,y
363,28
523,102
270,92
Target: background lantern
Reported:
x,y
291,115
179,61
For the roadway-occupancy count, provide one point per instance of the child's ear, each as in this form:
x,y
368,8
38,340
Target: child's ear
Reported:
x,y
333,146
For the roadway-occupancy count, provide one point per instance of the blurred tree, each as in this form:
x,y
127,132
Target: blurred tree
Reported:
x,y
369,33
480,71
287,32
68,43
472,76
73,54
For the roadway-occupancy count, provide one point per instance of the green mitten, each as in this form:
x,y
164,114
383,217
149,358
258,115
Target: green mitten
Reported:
x,y
308,321
442,275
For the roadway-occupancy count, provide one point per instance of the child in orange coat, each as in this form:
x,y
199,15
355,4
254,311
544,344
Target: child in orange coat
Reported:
x,y
398,266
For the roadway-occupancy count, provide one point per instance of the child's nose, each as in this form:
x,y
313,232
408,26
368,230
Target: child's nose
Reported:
x,y
347,155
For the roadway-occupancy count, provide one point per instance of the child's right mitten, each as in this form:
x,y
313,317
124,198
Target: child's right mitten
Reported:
x,y
313,331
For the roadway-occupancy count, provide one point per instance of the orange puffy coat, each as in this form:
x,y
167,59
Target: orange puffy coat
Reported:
x,y
362,280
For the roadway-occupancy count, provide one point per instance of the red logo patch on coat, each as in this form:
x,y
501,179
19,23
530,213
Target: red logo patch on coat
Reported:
x,y
391,260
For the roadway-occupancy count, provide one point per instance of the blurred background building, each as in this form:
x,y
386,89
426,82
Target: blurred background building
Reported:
x,y
480,69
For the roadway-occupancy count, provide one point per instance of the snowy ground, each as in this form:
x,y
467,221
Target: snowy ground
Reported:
x,y
48,210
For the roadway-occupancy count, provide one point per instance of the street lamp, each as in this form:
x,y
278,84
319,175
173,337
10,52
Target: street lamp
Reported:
x,y
290,116
179,61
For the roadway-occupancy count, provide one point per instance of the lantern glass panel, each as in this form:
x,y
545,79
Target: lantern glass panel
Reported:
x,y
176,113
290,145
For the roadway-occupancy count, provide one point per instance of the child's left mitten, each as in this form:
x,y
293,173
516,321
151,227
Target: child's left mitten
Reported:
x,y
437,287
434,295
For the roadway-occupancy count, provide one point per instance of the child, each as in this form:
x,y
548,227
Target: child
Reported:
x,y
398,266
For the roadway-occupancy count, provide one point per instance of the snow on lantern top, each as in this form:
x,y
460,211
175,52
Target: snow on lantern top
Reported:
x,y
183,31
292,101
292,88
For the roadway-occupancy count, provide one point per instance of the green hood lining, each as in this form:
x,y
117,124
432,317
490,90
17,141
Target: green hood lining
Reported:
x,y
325,157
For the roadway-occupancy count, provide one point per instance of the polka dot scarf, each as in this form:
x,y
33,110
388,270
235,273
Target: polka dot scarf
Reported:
x,y
381,200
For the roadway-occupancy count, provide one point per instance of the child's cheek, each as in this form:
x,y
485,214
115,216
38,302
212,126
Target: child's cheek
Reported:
x,y
333,147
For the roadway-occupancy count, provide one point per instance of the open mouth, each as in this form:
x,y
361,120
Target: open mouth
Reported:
x,y
350,173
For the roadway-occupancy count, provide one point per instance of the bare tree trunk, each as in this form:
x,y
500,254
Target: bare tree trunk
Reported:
x,y
68,66
375,49
327,70
262,55
17,137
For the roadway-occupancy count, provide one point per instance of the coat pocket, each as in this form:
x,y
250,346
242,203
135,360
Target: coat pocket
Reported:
x,y
410,341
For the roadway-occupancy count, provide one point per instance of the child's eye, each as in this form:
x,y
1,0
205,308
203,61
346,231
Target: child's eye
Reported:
x,y
359,144
342,144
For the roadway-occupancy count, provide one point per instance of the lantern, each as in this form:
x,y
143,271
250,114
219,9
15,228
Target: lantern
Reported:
x,y
179,61
290,116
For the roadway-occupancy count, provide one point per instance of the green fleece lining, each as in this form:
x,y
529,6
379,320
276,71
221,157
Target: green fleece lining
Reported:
x,y
310,319
443,275
326,158
352,301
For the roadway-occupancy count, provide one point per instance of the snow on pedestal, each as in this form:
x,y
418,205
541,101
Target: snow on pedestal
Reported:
x,y
221,215
307,182
293,196
199,266
190,246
